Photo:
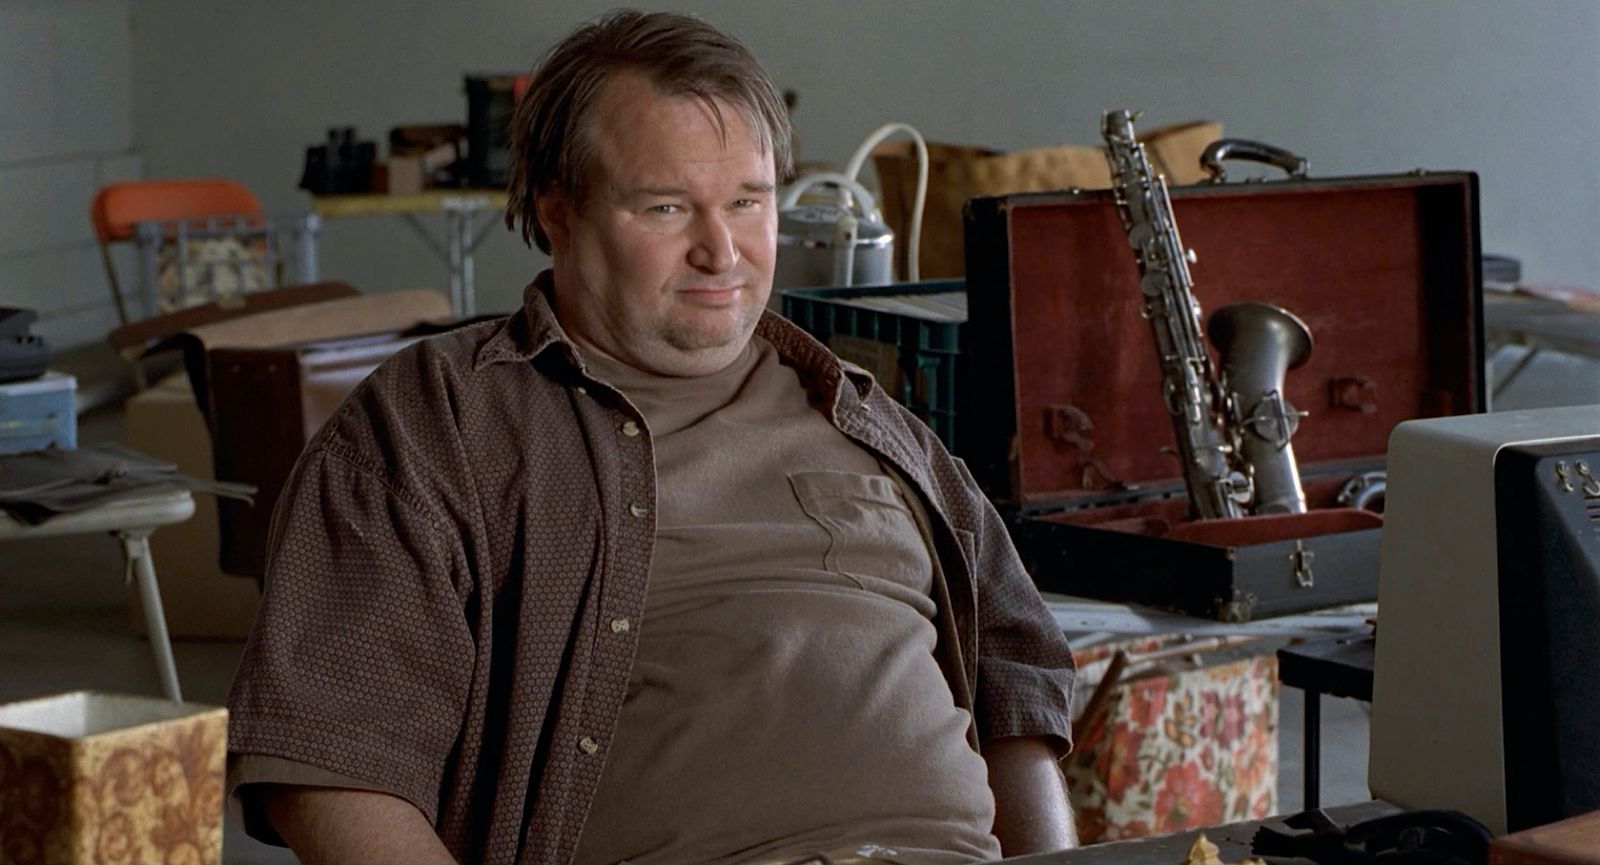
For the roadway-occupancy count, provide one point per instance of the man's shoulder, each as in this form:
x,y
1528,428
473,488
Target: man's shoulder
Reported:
x,y
436,385
461,357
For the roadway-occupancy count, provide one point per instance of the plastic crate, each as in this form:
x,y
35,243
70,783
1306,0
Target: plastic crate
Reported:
x,y
910,336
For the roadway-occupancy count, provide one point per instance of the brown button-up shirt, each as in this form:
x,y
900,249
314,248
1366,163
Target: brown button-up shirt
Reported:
x,y
455,549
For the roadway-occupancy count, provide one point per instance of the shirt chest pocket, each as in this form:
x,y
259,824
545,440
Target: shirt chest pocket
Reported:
x,y
871,530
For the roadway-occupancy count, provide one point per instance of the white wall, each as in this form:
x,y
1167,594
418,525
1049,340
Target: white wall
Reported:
x,y
1359,86
97,90
65,129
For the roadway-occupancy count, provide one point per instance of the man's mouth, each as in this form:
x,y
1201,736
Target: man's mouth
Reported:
x,y
712,294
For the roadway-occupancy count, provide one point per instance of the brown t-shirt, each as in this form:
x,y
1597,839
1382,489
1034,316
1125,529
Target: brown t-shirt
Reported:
x,y
785,699
459,556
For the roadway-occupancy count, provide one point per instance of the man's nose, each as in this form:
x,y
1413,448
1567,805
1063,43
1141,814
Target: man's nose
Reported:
x,y
714,249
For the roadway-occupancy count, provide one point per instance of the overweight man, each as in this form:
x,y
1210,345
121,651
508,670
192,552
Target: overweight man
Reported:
x,y
641,573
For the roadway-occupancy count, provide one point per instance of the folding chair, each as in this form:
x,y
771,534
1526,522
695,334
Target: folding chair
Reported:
x,y
171,220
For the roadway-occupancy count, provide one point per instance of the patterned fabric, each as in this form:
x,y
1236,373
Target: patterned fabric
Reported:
x,y
446,569
210,269
1175,749
147,794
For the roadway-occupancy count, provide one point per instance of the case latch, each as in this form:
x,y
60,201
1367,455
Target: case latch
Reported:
x,y
1301,560
1354,393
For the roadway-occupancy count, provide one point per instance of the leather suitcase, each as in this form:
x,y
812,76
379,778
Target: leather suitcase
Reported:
x,y
1077,442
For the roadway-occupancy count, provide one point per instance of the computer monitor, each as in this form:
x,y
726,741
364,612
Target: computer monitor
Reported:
x,y
1486,690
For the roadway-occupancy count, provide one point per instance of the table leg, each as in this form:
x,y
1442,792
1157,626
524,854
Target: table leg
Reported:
x,y
1313,750
456,229
1516,370
136,546
467,301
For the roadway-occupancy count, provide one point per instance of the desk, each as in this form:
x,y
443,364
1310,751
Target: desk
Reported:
x,y
1537,324
1342,668
463,230
131,520
1232,840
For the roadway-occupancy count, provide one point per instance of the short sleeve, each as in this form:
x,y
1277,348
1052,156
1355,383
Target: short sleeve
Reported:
x,y
1025,666
249,774
361,657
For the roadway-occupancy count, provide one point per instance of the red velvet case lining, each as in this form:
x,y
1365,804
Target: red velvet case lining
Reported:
x,y
1380,269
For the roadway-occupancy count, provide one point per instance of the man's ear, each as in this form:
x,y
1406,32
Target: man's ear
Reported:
x,y
554,209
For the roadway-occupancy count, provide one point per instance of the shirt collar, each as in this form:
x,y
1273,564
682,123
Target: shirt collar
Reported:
x,y
528,332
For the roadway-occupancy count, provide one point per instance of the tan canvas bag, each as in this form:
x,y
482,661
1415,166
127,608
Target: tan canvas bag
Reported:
x,y
957,173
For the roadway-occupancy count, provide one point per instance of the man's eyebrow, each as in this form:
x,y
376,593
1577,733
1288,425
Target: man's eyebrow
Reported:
x,y
638,193
757,186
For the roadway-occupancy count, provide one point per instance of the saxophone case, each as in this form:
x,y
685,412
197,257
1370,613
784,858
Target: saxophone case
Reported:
x,y
1076,444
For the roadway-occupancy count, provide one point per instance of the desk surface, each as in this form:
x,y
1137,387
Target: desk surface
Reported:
x,y
432,201
1232,840
1341,668
127,514
1539,323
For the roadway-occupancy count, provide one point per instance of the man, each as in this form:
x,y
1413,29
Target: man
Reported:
x,y
639,573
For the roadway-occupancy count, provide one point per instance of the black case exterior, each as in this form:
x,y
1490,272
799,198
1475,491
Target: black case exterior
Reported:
x,y
1330,556
1226,583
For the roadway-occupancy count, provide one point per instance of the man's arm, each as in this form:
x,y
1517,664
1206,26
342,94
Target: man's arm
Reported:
x,y
1031,812
322,824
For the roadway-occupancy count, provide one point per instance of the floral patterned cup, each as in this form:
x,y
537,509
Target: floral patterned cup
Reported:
x,y
92,777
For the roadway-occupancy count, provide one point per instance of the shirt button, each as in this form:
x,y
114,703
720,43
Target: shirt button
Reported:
x,y
629,428
638,510
619,625
588,745
583,390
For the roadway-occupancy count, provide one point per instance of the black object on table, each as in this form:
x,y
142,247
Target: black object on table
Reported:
x,y
1233,840
1341,668
23,355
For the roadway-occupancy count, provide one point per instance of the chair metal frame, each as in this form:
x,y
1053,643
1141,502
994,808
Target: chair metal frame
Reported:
x,y
151,213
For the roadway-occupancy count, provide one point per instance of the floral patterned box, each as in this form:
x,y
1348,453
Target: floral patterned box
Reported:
x,y
92,777
1186,735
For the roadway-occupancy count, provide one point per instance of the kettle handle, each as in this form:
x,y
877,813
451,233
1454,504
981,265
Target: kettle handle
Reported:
x,y
866,203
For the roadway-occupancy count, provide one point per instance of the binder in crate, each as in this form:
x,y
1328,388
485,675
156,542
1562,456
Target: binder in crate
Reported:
x,y
1076,441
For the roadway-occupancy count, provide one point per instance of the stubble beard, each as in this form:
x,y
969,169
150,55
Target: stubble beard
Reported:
x,y
686,337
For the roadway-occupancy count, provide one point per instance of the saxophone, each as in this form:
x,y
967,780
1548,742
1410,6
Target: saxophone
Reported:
x,y
1233,428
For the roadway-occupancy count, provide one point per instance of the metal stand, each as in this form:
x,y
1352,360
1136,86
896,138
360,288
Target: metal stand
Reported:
x,y
463,234
136,547
1342,668
131,521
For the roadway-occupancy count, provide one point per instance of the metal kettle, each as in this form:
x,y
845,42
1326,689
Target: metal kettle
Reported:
x,y
842,242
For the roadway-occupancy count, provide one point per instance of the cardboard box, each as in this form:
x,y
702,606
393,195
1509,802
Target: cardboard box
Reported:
x,y
199,599
91,777
406,175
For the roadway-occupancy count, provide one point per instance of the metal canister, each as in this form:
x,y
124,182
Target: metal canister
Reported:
x,y
810,252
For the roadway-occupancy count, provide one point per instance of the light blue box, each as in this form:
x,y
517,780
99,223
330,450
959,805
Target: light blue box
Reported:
x,y
38,413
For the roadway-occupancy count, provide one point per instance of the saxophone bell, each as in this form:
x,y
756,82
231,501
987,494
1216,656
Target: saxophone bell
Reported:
x,y
1257,344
